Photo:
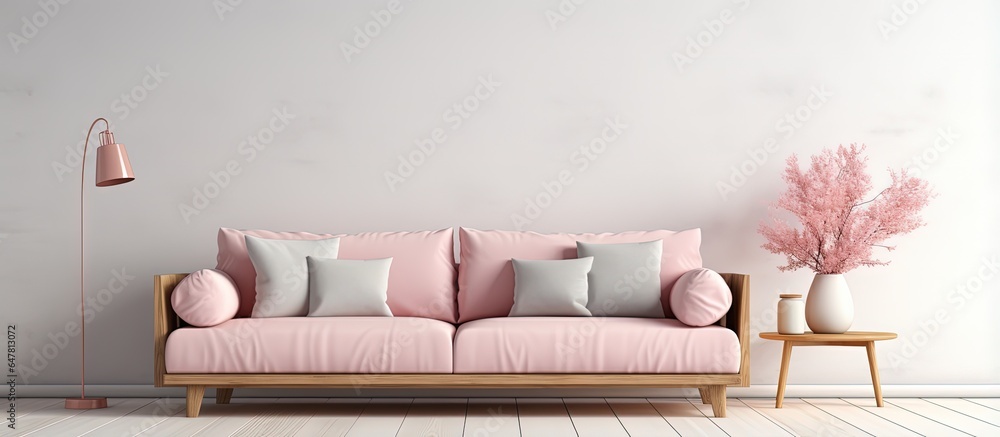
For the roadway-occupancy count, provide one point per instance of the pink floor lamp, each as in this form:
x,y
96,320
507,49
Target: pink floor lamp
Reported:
x,y
113,168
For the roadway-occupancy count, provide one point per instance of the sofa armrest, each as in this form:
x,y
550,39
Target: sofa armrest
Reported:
x,y
738,319
165,321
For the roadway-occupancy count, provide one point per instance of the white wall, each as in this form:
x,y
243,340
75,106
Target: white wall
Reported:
x,y
224,74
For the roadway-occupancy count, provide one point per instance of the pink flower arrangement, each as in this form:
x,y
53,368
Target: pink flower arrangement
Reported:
x,y
840,228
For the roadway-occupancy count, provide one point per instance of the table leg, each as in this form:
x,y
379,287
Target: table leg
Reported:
x,y
786,357
874,368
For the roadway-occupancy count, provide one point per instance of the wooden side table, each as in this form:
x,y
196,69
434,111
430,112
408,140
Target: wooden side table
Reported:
x,y
850,338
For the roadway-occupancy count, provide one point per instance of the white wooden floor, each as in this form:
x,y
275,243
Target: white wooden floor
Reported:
x,y
553,417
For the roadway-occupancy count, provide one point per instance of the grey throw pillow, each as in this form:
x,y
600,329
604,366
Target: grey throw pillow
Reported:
x,y
551,287
348,287
282,274
625,279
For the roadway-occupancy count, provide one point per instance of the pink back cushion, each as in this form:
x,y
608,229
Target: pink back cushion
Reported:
x,y
205,298
700,298
421,280
486,276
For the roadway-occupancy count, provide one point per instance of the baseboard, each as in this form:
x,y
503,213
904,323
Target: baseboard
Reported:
x,y
756,391
863,391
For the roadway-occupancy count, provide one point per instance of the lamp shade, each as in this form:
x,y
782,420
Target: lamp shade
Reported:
x,y
113,166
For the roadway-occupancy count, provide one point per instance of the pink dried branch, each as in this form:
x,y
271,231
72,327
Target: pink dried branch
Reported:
x,y
838,226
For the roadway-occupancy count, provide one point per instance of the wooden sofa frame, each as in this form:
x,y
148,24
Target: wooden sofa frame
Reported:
x,y
712,387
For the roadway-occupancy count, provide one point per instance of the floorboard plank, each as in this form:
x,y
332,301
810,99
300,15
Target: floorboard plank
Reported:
x,y
594,417
250,419
86,420
285,418
640,419
742,420
441,417
25,407
310,400
492,417
336,419
909,419
967,408
48,416
141,419
802,418
179,425
276,420
544,417
860,418
685,418
948,417
381,417
993,403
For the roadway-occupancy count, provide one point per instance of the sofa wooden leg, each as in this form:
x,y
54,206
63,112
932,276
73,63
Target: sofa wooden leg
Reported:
x,y
195,393
717,395
704,395
223,395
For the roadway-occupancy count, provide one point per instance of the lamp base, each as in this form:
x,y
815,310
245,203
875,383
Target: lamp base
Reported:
x,y
86,403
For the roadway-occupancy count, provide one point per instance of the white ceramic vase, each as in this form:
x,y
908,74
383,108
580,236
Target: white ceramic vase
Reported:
x,y
829,306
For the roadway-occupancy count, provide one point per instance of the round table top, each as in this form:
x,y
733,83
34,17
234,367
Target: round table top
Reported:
x,y
847,336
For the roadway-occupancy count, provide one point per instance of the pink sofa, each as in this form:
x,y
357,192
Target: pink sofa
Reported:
x,y
450,327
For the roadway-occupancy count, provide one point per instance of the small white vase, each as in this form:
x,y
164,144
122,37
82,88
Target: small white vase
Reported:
x,y
829,306
791,314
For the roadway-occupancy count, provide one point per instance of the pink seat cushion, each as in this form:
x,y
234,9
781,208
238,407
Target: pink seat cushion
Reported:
x,y
314,345
486,276
205,298
593,345
421,280
700,298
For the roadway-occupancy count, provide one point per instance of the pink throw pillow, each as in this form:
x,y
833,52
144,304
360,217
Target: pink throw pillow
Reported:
x,y
700,298
205,298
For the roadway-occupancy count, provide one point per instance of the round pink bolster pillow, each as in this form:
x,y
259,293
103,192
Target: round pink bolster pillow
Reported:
x,y
700,298
206,298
